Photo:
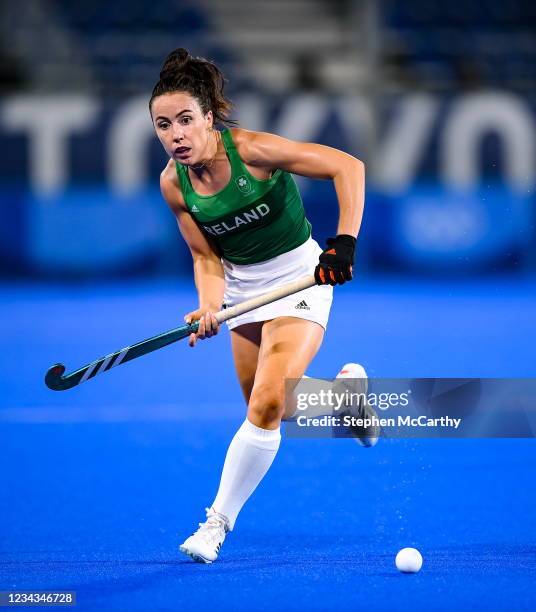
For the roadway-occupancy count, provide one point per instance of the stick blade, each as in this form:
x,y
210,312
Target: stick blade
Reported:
x,y
54,378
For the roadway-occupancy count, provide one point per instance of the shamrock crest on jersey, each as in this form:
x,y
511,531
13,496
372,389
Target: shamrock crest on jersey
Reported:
x,y
244,184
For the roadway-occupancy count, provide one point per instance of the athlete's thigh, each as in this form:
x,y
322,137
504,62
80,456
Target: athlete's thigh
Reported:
x,y
245,342
288,346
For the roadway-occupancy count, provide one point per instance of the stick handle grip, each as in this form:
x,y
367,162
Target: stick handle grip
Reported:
x,y
267,298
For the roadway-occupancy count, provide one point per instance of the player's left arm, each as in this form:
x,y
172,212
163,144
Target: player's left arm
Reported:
x,y
321,162
314,161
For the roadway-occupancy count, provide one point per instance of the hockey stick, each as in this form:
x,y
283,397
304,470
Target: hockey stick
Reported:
x,y
56,381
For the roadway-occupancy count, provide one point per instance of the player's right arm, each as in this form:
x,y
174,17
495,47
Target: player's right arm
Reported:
x,y
208,269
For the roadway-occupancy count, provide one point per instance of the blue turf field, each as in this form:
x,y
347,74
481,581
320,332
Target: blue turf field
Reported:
x,y
101,483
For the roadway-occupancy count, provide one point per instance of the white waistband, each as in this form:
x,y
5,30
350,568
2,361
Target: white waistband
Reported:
x,y
280,264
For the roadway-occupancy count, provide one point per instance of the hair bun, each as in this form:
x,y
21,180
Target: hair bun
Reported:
x,y
175,61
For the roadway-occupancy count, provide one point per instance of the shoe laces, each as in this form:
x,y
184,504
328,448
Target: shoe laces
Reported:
x,y
215,527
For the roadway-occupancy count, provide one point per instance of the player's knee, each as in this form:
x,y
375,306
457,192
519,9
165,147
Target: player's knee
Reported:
x,y
266,404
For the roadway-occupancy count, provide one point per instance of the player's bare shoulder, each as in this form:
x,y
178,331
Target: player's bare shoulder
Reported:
x,y
249,146
245,142
170,188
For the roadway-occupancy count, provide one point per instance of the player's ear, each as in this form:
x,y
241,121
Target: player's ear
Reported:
x,y
209,118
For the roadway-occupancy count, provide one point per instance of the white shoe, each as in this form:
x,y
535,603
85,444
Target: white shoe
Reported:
x,y
357,382
204,545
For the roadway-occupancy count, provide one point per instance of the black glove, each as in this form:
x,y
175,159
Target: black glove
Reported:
x,y
335,263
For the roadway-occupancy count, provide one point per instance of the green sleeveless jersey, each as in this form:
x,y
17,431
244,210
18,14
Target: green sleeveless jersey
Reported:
x,y
250,220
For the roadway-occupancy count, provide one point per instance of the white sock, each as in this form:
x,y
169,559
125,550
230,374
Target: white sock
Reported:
x,y
350,371
314,385
249,457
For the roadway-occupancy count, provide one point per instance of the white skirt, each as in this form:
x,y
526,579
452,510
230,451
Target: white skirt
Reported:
x,y
243,282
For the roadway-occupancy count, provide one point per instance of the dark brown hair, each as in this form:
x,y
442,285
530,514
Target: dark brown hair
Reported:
x,y
202,79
